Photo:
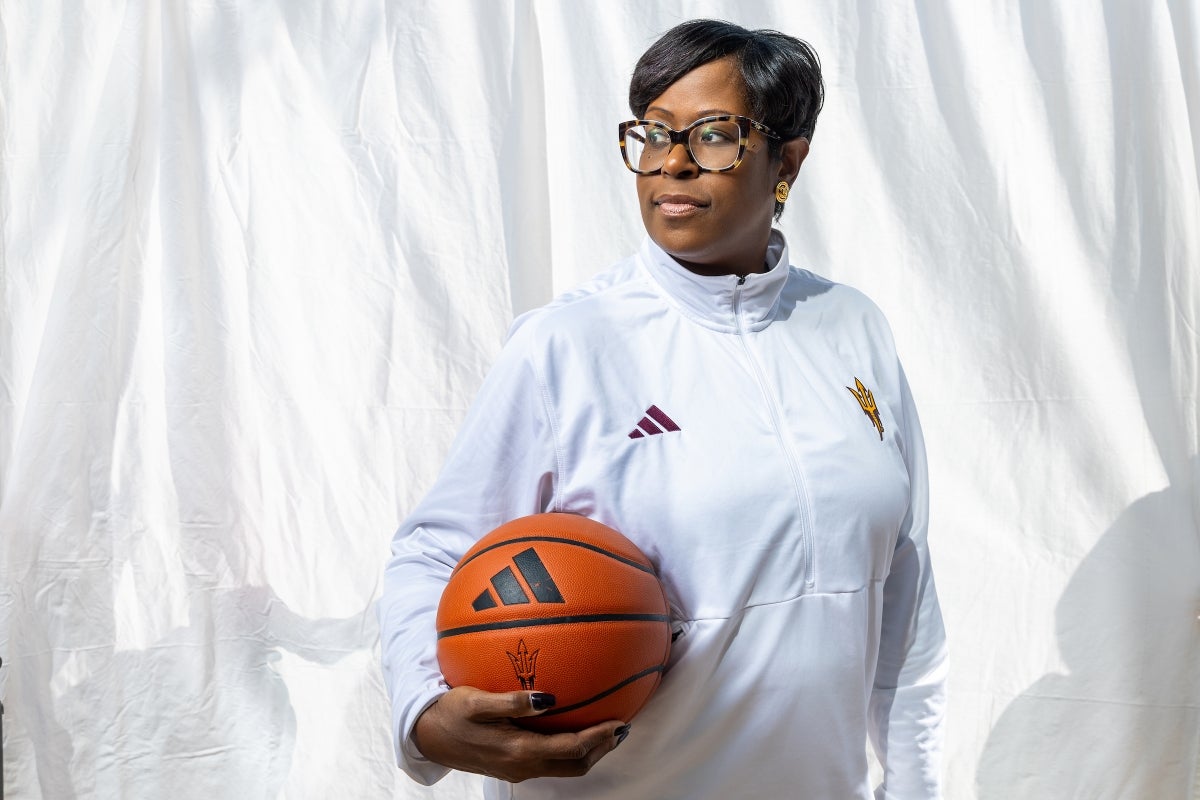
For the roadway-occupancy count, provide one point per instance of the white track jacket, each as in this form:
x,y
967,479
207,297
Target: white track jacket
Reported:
x,y
757,440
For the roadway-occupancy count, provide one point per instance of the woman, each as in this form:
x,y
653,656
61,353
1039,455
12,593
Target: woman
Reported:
x,y
784,507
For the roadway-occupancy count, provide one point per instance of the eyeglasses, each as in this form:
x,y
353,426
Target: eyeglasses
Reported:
x,y
716,144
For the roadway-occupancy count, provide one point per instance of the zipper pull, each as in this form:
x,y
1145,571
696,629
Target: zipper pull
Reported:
x,y
741,280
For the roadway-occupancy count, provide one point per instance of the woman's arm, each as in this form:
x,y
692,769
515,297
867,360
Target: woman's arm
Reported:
x,y
502,465
908,699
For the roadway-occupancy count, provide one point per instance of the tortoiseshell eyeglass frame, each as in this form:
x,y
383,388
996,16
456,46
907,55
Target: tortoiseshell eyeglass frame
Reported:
x,y
745,125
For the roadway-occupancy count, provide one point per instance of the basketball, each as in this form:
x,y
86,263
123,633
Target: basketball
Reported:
x,y
562,604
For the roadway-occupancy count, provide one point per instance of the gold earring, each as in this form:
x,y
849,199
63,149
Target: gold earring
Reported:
x,y
781,191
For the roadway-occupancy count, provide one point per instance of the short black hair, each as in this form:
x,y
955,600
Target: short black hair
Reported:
x,y
781,74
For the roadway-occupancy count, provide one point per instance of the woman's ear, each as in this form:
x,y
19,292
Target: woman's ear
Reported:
x,y
791,156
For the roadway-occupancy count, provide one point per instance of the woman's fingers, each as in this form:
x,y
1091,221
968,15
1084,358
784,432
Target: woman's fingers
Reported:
x,y
471,730
487,707
601,739
563,755
483,706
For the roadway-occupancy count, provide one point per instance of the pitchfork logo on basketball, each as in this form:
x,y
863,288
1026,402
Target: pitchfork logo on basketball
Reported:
x,y
511,592
524,664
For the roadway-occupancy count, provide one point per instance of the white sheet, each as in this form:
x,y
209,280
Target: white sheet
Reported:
x,y
256,258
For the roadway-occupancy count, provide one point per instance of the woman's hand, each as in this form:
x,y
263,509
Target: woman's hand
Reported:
x,y
471,730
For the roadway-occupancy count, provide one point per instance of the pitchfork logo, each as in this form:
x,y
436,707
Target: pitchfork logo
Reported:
x,y
866,399
511,591
524,664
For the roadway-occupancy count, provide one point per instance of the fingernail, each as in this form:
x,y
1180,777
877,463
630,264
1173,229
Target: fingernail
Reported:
x,y
542,700
621,733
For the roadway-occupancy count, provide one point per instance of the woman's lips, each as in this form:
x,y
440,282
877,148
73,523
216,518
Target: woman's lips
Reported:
x,y
677,205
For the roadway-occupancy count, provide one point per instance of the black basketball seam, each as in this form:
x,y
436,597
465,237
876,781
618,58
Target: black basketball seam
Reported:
x,y
560,540
605,693
540,622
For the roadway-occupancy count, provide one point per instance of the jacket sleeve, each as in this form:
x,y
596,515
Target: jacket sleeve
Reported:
x,y
908,697
501,466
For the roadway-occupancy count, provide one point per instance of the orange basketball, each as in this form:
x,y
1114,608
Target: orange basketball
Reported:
x,y
562,604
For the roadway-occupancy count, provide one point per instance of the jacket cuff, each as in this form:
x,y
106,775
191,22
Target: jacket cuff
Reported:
x,y
408,757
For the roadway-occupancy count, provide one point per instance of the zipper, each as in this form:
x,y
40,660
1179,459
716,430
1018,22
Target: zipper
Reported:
x,y
679,625
798,482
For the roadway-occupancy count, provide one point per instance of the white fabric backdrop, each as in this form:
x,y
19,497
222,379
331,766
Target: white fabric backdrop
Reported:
x,y
257,257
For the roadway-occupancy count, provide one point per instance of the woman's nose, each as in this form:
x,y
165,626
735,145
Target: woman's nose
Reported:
x,y
679,162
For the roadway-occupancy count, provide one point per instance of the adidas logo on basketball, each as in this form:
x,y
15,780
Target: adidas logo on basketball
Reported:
x,y
510,591
647,424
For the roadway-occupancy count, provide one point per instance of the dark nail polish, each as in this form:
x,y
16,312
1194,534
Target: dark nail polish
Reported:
x,y
542,700
621,733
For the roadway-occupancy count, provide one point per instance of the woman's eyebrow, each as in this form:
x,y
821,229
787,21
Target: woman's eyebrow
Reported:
x,y
708,112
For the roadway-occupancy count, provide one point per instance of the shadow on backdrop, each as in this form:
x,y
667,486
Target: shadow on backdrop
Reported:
x,y
199,710
1122,723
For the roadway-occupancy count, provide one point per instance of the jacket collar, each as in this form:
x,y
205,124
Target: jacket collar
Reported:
x,y
721,302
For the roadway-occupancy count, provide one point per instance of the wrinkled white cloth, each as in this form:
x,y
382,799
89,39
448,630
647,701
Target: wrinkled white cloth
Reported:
x,y
256,258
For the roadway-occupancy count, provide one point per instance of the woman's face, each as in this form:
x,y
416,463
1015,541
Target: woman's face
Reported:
x,y
715,223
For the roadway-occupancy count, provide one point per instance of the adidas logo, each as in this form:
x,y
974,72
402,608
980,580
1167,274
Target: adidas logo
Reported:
x,y
654,415
509,589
